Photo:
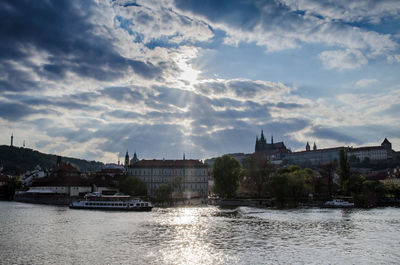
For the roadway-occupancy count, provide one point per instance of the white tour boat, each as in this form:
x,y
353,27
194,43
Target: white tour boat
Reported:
x,y
339,203
97,201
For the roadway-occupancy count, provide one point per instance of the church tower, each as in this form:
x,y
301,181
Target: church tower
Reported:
x,y
307,147
386,144
314,147
135,159
126,159
12,139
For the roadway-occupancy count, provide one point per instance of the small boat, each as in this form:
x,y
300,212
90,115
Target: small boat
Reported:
x,y
339,203
97,201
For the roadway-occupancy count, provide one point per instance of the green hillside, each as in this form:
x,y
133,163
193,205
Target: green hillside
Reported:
x,y
17,160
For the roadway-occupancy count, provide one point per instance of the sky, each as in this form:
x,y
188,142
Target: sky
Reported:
x,y
93,79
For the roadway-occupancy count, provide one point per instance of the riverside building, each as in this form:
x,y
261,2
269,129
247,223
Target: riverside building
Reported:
x,y
317,157
154,173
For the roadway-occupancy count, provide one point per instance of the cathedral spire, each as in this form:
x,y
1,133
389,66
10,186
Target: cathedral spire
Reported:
x,y
262,135
272,139
314,147
307,147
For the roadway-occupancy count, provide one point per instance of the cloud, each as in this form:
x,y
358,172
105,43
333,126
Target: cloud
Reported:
x,y
366,82
13,111
350,11
62,35
280,25
332,134
394,58
105,76
343,59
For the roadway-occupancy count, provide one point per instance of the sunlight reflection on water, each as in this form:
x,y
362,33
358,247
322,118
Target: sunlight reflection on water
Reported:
x,y
38,234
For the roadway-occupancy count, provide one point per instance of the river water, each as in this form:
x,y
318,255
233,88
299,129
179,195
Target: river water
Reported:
x,y
41,234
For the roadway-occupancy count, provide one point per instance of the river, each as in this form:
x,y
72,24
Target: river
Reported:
x,y
42,234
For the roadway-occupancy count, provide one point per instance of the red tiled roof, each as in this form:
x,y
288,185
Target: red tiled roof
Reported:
x,y
169,163
65,167
61,181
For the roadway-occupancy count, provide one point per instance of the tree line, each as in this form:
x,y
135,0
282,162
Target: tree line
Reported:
x,y
289,186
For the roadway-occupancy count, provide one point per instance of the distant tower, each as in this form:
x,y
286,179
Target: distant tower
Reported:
x,y
386,144
126,159
184,156
272,141
119,162
314,147
135,159
23,144
12,139
307,147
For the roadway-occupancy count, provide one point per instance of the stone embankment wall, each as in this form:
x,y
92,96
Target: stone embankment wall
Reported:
x,y
53,199
242,202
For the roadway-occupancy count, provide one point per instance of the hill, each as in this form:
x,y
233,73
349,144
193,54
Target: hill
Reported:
x,y
17,160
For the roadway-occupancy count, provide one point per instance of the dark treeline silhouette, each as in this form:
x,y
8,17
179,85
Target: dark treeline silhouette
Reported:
x,y
17,160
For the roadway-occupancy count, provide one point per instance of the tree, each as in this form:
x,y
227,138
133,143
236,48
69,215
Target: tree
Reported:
x,y
226,173
290,185
344,169
326,171
133,186
278,188
12,184
257,171
164,193
177,185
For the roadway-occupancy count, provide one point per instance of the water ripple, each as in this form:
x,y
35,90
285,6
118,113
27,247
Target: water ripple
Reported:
x,y
39,234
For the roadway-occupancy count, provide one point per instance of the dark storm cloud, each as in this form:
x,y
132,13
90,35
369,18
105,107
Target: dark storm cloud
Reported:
x,y
62,30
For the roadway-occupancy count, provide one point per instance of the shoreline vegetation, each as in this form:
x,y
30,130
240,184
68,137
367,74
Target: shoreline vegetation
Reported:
x,y
256,183
262,184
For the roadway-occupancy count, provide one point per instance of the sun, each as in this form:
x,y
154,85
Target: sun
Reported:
x,y
188,73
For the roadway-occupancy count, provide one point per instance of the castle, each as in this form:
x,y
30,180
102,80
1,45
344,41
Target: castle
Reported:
x,y
271,150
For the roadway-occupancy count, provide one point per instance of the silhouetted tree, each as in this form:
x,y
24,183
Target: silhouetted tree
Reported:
x,y
257,171
344,169
327,171
164,194
226,173
133,186
177,185
290,185
12,184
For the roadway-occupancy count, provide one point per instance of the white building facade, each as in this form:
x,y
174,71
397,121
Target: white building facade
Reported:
x,y
193,173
